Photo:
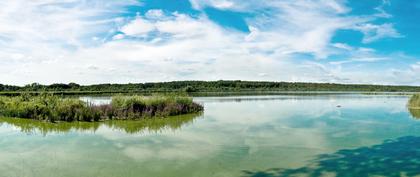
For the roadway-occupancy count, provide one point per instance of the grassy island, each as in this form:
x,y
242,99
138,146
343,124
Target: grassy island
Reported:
x,y
53,108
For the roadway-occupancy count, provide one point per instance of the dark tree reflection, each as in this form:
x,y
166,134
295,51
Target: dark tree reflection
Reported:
x,y
393,158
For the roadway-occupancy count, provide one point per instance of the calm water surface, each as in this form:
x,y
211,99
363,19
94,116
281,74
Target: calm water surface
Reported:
x,y
250,136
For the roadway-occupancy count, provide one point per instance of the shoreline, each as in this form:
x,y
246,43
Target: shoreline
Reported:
x,y
210,93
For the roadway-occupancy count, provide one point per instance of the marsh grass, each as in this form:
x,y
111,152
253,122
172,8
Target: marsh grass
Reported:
x,y
53,108
151,106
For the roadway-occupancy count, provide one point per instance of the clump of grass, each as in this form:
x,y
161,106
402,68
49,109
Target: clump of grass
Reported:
x,y
54,108
133,107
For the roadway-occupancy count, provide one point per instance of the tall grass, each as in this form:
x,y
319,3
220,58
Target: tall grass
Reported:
x,y
54,108
161,106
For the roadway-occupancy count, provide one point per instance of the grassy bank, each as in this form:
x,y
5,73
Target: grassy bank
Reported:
x,y
53,108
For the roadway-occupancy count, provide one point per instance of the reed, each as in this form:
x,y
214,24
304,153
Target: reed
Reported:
x,y
53,108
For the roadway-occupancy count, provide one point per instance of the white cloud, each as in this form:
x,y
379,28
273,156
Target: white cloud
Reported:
x,y
118,36
343,46
366,59
293,26
138,27
44,29
183,26
176,46
375,32
221,4
154,14
380,9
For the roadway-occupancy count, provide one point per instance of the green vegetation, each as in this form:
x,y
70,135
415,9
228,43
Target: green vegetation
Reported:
x,y
133,107
414,105
142,126
201,86
54,108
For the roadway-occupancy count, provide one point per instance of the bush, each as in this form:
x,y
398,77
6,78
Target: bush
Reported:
x,y
190,89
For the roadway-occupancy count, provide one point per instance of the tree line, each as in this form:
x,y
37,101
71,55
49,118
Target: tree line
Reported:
x,y
209,86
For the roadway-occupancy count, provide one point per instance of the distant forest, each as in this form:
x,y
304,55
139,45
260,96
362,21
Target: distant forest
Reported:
x,y
207,86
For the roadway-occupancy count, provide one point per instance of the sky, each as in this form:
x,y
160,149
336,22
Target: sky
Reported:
x,y
131,41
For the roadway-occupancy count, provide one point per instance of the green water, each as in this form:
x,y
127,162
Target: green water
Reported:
x,y
249,136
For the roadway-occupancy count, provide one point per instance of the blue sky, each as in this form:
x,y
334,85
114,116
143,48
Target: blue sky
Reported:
x,y
100,41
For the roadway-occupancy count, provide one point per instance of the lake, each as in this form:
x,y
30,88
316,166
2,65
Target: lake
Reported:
x,y
239,136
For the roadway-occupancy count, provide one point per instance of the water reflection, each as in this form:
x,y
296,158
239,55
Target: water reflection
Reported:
x,y
96,100
251,133
415,113
400,157
295,97
131,127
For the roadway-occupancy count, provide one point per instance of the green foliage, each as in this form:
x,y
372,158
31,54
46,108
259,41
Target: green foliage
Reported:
x,y
8,88
150,106
189,89
54,108
205,86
